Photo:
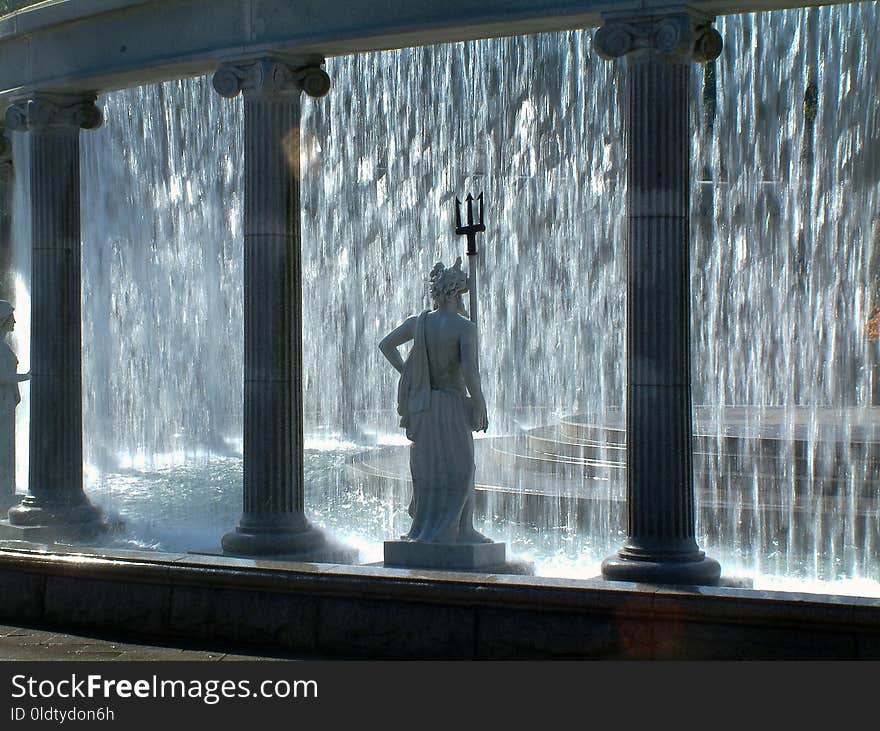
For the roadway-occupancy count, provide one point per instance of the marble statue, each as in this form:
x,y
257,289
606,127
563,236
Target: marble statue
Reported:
x,y
9,399
440,403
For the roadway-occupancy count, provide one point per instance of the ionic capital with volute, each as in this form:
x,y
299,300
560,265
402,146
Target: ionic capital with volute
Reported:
x,y
43,110
272,76
677,37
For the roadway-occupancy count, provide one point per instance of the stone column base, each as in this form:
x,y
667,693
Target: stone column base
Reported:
x,y
309,545
34,511
46,522
702,571
45,534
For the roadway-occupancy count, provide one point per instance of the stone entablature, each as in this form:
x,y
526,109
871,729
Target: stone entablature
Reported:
x,y
105,45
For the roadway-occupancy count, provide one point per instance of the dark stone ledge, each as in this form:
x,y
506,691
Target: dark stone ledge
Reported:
x,y
368,611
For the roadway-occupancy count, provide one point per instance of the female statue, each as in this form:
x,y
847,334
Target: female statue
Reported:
x,y
440,402
9,398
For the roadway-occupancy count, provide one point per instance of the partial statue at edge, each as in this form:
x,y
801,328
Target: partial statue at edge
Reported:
x,y
9,399
440,402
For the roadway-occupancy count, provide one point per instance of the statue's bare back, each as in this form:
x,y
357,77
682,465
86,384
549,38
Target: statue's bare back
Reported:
x,y
448,338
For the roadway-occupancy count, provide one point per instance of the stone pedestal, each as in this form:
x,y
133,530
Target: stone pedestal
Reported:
x,y
449,556
660,545
487,558
273,520
55,499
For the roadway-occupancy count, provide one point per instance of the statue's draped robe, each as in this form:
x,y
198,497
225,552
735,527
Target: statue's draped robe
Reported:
x,y
442,453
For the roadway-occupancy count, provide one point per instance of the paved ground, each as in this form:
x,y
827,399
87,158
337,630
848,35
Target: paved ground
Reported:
x,y
29,643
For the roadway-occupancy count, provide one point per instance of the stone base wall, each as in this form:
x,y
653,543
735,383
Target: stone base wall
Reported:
x,y
366,611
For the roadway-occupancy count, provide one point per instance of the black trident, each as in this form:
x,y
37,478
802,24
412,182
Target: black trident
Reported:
x,y
471,231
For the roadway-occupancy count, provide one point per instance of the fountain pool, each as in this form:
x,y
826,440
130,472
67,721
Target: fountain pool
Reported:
x,y
359,492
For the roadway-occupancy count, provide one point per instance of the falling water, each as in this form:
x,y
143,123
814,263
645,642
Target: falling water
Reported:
x,y
784,273
786,162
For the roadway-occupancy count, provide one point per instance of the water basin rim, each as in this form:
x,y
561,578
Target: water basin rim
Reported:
x,y
335,579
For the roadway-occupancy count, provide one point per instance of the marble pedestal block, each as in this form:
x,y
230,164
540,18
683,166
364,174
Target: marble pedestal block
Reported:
x,y
449,556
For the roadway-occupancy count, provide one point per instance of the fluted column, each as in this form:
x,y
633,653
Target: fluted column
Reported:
x,y
53,123
273,519
7,274
661,545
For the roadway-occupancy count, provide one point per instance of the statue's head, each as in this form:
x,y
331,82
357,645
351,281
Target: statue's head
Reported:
x,y
7,319
448,283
